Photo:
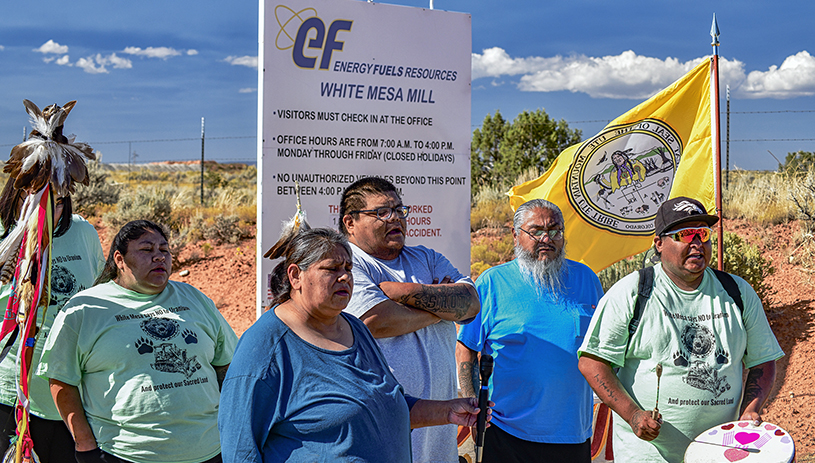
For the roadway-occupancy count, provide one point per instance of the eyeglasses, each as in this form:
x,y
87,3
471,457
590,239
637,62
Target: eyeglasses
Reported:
x,y
539,233
385,212
686,235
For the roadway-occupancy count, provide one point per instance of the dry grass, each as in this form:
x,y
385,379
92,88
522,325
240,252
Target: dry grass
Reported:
x,y
760,197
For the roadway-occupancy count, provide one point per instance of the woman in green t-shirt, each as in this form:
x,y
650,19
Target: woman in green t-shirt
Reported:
x,y
136,361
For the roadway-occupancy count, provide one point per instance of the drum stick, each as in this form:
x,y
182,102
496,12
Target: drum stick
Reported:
x,y
655,413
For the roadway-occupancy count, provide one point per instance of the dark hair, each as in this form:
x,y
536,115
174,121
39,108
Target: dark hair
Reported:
x,y
353,198
131,231
11,201
303,250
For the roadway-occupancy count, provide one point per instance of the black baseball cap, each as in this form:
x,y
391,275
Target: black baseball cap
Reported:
x,y
680,210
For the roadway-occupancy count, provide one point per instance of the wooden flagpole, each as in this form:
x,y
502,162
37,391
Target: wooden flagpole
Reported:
x,y
717,144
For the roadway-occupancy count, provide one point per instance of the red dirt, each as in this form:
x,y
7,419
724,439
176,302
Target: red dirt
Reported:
x,y
792,317
227,275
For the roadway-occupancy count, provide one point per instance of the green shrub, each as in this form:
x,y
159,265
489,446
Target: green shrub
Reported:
x,y
483,253
206,248
149,204
98,192
490,209
745,260
496,252
225,229
490,213
486,255
802,196
618,270
477,269
212,225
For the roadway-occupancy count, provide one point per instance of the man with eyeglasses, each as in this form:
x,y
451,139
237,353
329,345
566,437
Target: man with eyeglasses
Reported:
x,y
409,297
700,336
534,312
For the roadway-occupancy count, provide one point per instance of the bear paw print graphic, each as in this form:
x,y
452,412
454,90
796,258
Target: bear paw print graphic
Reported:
x,y
189,337
144,346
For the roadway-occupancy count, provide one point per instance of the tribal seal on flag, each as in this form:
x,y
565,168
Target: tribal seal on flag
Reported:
x,y
619,178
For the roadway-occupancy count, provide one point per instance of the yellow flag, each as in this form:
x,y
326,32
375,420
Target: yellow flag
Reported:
x,y
610,186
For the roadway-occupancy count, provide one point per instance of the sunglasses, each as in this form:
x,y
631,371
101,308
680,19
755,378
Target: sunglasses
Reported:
x,y
686,235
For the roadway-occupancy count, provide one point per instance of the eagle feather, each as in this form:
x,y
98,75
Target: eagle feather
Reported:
x,y
291,228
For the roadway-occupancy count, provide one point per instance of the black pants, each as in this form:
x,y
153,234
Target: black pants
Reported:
x,y
502,447
100,456
52,440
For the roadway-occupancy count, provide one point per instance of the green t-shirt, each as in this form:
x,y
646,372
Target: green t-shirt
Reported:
x,y
703,342
76,261
144,365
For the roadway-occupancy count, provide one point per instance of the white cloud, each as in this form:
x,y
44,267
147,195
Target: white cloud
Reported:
x,y
192,52
248,61
795,77
98,64
626,75
2,48
247,90
632,76
89,66
153,52
64,61
117,62
495,62
52,47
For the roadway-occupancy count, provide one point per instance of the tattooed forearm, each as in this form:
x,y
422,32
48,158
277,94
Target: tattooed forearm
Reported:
x,y
602,385
759,382
468,378
441,299
752,388
454,299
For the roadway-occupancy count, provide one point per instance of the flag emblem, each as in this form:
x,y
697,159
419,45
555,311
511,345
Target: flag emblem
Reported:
x,y
620,177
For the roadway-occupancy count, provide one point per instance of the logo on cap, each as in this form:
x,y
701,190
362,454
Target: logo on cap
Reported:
x,y
687,207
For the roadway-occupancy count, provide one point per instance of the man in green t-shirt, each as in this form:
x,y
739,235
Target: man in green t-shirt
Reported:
x,y
693,331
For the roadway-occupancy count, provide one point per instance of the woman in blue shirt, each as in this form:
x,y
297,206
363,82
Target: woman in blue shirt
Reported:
x,y
308,382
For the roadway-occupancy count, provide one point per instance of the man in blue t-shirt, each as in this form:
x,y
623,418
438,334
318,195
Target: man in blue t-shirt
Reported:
x,y
534,313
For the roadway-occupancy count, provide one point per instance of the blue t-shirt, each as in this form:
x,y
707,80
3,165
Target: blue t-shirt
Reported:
x,y
285,399
539,394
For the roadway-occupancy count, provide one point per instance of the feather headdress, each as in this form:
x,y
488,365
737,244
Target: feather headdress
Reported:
x,y
291,228
47,165
48,157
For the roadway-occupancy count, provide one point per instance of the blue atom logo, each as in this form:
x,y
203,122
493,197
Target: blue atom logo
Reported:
x,y
289,21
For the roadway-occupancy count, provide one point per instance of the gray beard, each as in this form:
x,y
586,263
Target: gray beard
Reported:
x,y
546,275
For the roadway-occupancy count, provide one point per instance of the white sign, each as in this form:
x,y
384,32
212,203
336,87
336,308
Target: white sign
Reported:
x,y
349,89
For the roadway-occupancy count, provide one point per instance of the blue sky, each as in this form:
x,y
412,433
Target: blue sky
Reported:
x,y
148,71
